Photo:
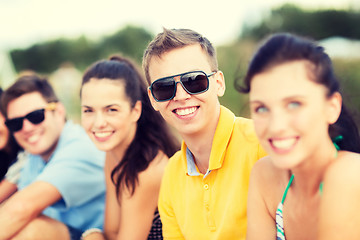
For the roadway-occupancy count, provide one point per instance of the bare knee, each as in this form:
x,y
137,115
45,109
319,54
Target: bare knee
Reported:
x,y
43,228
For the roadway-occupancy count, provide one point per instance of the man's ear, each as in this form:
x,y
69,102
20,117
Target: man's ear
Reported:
x,y
220,83
60,110
334,107
152,100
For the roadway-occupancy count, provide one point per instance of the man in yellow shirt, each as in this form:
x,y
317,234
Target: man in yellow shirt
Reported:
x,y
204,189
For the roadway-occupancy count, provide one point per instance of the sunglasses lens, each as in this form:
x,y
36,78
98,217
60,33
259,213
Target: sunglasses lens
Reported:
x,y
163,89
193,82
196,82
36,117
15,124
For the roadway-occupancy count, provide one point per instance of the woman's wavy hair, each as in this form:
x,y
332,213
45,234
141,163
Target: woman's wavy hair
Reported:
x,y
284,47
152,134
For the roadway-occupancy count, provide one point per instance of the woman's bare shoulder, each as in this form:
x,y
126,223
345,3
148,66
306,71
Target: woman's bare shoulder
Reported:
x,y
155,169
269,179
265,168
340,198
267,184
346,165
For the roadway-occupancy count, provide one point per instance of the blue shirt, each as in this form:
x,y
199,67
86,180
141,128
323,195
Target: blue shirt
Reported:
x,y
76,170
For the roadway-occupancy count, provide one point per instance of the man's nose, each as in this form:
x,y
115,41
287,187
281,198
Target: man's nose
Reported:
x,y
180,93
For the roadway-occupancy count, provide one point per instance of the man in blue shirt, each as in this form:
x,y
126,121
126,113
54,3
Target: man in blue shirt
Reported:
x,y
62,188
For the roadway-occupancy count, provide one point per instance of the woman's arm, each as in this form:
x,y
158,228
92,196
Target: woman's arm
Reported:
x,y
137,211
132,217
261,224
339,216
112,209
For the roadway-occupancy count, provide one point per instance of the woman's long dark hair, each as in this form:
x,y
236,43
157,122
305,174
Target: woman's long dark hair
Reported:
x,y
9,153
152,134
284,47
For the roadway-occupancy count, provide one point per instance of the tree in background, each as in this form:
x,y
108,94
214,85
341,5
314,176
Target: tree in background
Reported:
x,y
318,24
48,56
130,41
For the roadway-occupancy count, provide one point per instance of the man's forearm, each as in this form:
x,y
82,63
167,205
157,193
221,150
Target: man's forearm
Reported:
x,y
6,189
13,218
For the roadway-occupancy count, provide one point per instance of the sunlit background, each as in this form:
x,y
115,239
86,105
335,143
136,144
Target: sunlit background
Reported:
x,y
59,39
25,22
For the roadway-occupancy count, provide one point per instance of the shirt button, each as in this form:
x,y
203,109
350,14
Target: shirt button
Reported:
x,y
206,186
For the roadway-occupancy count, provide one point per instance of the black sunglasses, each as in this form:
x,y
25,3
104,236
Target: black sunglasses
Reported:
x,y
35,117
195,82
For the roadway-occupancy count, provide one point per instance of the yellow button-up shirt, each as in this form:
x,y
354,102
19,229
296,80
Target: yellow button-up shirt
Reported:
x,y
211,206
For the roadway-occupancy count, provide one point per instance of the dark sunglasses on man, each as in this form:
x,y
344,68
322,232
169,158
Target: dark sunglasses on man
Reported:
x,y
35,117
194,82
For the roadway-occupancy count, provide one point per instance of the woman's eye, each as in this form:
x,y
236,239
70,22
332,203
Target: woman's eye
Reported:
x,y
261,109
294,105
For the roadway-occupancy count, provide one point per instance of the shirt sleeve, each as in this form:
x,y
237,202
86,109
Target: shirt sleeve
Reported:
x,y
78,178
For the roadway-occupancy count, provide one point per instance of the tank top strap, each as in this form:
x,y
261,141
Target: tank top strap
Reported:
x,y
287,188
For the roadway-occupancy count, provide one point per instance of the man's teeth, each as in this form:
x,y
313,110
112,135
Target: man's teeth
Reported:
x,y
185,111
102,134
34,138
283,144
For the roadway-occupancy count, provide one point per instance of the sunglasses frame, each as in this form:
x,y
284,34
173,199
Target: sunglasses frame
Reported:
x,y
51,106
181,75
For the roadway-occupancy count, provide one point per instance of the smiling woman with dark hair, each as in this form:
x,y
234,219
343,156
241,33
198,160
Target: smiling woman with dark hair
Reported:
x,y
118,117
309,185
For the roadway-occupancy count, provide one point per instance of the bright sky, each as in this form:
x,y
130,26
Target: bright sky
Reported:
x,y
25,22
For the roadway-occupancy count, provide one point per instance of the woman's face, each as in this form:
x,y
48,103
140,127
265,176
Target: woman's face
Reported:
x,y
106,114
291,112
4,133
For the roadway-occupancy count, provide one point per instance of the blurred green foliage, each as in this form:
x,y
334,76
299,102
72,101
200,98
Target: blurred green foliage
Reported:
x,y
348,72
316,24
233,61
48,56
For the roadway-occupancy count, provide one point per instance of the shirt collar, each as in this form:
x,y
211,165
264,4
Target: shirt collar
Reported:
x,y
221,138
191,167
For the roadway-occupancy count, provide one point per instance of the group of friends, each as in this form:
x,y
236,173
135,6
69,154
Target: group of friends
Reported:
x,y
158,157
